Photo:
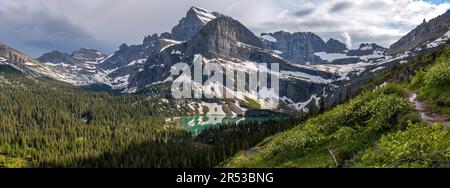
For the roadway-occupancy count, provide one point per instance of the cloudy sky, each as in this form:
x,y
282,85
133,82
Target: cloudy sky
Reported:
x,y
38,26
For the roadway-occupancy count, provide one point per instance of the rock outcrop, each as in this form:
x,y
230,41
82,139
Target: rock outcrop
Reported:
x,y
57,57
195,19
300,47
425,32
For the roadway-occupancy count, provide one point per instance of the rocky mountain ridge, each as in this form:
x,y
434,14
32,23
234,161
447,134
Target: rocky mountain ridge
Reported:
x,y
195,19
311,70
425,32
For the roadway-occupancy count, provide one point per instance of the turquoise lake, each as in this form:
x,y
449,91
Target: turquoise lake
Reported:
x,y
197,124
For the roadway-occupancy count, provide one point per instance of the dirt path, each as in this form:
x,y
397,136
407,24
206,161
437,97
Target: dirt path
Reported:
x,y
425,111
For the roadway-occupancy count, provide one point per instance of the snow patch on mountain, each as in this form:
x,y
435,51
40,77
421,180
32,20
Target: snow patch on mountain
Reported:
x,y
366,47
120,82
204,15
439,41
330,57
374,55
305,77
139,61
269,38
170,43
302,106
378,69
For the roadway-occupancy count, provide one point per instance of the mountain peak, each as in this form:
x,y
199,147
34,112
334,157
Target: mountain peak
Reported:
x,y
194,20
123,46
55,52
335,46
427,31
195,8
224,36
202,14
148,40
366,46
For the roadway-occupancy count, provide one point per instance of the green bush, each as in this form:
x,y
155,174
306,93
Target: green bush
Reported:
x,y
438,76
417,80
433,84
418,146
392,88
346,129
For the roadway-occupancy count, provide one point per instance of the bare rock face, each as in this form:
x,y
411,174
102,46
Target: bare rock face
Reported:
x,y
78,57
195,19
335,46
300,47
223,37
367,49
88,55
123,56
27,65
10,54
151,45
56,57
426,31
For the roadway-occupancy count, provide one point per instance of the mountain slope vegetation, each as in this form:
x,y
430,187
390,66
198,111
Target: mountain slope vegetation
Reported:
x,y
378,128
433,83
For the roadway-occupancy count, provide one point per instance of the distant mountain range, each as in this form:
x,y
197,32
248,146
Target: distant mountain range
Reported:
x,y
310,68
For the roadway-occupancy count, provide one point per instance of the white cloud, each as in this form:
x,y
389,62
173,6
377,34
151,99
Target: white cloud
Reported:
x,y
348,39
116,21
381,21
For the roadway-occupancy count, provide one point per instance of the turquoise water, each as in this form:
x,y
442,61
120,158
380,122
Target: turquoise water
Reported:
x,y
197,124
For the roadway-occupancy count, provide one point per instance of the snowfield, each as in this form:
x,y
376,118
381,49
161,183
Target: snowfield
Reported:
x,y
171,43
330,57
439,41
204,15
139,61
269,38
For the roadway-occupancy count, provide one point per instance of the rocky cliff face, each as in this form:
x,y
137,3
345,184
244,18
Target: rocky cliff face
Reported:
x,y
88,55
9,54
26,64
366,49
300,47
195,19
224,37
56,57
425,32
125,55
335,46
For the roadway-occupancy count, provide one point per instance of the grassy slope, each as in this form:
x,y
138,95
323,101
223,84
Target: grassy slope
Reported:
x,y
375,129
433,83
343,131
